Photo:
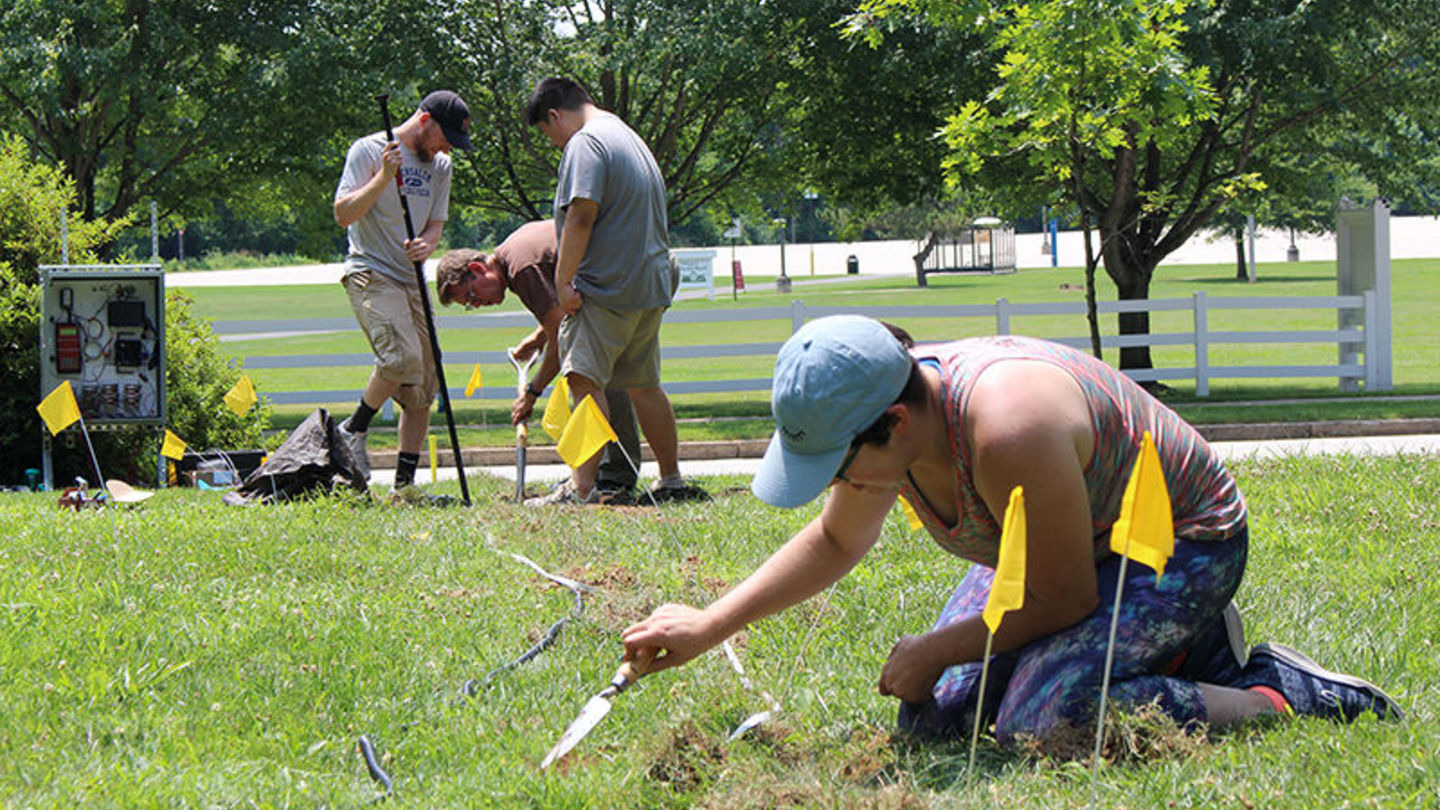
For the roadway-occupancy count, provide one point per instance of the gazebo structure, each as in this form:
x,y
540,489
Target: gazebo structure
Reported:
x,y
987,246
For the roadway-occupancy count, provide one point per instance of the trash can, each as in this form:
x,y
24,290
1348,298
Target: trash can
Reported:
x,y
852,265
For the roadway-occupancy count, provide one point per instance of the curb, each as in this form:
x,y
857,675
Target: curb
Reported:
x,y
755,448
1270,431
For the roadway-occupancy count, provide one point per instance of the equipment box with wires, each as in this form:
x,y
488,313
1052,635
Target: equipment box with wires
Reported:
x,y
103,330
216,468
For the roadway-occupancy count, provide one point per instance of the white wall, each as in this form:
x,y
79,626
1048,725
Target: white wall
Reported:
x,y
1410,238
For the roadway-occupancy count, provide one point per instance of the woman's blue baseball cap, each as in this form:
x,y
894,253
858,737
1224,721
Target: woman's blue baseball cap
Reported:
x,y
833,378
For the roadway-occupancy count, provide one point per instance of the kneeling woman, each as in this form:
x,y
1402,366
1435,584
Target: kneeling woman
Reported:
x,y
953,428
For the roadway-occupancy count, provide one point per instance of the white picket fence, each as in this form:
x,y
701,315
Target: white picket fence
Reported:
x,y
1356,349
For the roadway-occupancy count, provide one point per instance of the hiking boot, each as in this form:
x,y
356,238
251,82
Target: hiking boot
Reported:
x,y
678,493
353,445
616,496
1218,656
1311,689
564,494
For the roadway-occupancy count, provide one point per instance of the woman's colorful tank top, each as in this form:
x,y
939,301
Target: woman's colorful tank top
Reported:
x,y
1206,503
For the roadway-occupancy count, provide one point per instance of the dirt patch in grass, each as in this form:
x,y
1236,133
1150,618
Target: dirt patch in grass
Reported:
x,y
870,755
618,600
1132,737
686,760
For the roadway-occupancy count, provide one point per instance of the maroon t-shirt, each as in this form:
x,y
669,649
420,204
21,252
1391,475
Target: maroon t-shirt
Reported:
x,y
527,258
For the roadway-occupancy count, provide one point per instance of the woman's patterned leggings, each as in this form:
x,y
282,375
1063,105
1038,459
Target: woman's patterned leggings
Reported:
x,y
1055,681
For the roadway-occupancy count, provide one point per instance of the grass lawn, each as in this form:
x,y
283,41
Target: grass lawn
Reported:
x,y
1416,297
187,653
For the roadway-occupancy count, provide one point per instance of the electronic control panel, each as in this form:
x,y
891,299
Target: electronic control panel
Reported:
x,y
103,330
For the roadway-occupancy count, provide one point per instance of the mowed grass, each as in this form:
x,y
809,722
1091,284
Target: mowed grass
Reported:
x,y
1416,297
187,653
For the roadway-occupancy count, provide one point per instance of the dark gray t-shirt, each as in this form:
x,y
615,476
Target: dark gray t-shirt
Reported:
x,y
627,264
377,240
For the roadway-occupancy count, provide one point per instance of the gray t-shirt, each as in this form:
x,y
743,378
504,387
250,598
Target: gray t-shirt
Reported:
x,y
377,240
627,264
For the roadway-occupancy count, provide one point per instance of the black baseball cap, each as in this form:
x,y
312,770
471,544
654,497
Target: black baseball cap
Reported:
x,y
452,114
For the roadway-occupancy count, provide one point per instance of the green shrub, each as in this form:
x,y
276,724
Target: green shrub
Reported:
x,y
32,197
198,374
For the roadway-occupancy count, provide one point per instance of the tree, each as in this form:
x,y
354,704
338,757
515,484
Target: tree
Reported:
x,y
143,100
702,83
1151,115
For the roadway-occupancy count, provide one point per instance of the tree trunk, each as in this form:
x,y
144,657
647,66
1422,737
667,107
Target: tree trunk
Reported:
x,y
1134,323
1242,272
1092,317
1130,266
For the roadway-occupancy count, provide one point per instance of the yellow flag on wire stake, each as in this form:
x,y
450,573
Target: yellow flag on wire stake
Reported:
x,y
1145,530
59,408
1007,590
557,410
475,382
585,433
173,446
241,398
910,515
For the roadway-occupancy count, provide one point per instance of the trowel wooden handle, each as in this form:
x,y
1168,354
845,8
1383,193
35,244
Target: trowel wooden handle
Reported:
x,y
522,433
631,671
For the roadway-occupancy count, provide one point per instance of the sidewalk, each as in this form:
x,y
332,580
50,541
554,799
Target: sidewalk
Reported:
x,y
726,457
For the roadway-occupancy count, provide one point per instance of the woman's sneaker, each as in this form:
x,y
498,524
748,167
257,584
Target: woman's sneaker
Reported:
x,y
1311,689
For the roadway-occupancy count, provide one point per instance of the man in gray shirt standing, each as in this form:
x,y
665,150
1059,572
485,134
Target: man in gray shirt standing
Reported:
x,y
612,273
379,266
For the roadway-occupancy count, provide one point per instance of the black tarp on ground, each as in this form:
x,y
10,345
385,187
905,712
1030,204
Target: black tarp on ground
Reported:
x,y
309,461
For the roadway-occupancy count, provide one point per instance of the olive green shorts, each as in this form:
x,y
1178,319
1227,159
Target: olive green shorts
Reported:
x,y
393,319
614,348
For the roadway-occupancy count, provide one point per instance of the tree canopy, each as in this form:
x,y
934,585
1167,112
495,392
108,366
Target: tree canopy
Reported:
x,y
1150,116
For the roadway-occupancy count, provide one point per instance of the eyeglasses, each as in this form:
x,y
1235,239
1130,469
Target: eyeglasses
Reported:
x,y
846,462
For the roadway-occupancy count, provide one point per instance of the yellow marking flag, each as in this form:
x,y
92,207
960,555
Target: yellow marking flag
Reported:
x,y
910,514
585,433
1007,590
59,408
1145,530
557,410
434,463
173,446
241,398
475,382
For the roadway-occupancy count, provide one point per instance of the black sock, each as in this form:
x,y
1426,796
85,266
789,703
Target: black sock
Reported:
x,y
405,469
359,422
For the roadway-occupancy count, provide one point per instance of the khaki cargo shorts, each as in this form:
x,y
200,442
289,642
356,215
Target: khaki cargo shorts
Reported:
x,y
393,319
614,348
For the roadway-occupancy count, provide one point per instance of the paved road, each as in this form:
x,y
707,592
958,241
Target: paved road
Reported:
x,y
1360,445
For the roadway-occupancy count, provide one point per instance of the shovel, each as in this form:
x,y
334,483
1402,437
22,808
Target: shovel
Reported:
x,y
522,372
597,707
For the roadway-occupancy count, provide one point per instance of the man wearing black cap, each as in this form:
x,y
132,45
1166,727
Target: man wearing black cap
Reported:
x,y
379,267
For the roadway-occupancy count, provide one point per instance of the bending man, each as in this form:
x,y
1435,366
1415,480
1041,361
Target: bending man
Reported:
x,y
525,264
